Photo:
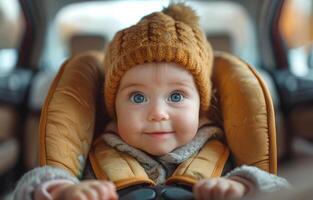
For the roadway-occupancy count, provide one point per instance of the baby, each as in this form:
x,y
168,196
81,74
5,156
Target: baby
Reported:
x,y
157,93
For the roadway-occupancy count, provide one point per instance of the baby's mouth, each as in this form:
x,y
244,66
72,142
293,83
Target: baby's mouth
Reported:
x,y
160,134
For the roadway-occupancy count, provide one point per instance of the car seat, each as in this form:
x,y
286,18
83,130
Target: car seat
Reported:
x,y
73,113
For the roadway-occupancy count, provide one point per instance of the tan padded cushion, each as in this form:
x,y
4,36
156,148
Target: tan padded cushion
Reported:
x,y
247,112
208,163
68,116
120,168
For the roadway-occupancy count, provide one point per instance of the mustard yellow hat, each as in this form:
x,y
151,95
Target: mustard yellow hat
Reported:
x,y
172,35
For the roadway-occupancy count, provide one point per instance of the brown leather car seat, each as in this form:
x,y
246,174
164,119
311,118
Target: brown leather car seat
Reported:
x,y
74,112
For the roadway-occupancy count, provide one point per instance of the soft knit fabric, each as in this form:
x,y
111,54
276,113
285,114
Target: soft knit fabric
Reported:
x,y
172,35
42,191
263,181
33,179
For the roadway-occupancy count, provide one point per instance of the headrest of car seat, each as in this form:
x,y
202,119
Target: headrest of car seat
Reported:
x,y
247,111
69,115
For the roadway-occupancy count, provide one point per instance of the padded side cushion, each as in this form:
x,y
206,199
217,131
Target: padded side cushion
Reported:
x,y
68,115
247,112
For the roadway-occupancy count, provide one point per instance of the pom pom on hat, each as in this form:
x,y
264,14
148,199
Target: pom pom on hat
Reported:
x,y
183,13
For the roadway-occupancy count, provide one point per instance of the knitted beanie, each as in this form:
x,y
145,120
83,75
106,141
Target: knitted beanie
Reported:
x,y
172,35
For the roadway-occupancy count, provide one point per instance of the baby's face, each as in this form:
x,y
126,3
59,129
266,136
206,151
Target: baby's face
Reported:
x,y
157,107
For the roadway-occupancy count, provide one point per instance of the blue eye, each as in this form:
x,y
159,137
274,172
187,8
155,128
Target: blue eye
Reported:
x,y
176,97
138,98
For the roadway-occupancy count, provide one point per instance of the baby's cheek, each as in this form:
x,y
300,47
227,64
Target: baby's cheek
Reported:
x,y
128,126
187,126
126,118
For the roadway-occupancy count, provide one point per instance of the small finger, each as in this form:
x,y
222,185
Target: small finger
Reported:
x,y
233,193
103,191
78,196
219,190
112,190
90,192
205,189
196,189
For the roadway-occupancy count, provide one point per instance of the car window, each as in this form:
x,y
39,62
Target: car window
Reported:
x,y
12,27
296,26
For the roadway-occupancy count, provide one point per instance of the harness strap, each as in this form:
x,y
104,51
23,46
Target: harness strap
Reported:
x,y
208,163
124,170
120,168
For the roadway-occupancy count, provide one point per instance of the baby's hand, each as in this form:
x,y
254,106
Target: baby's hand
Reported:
x,y
219,189
88,190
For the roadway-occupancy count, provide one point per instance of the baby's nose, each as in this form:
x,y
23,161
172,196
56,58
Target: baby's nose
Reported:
x,y
158,112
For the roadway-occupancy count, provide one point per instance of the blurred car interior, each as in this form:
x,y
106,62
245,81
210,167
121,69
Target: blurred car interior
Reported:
x,y
37,36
